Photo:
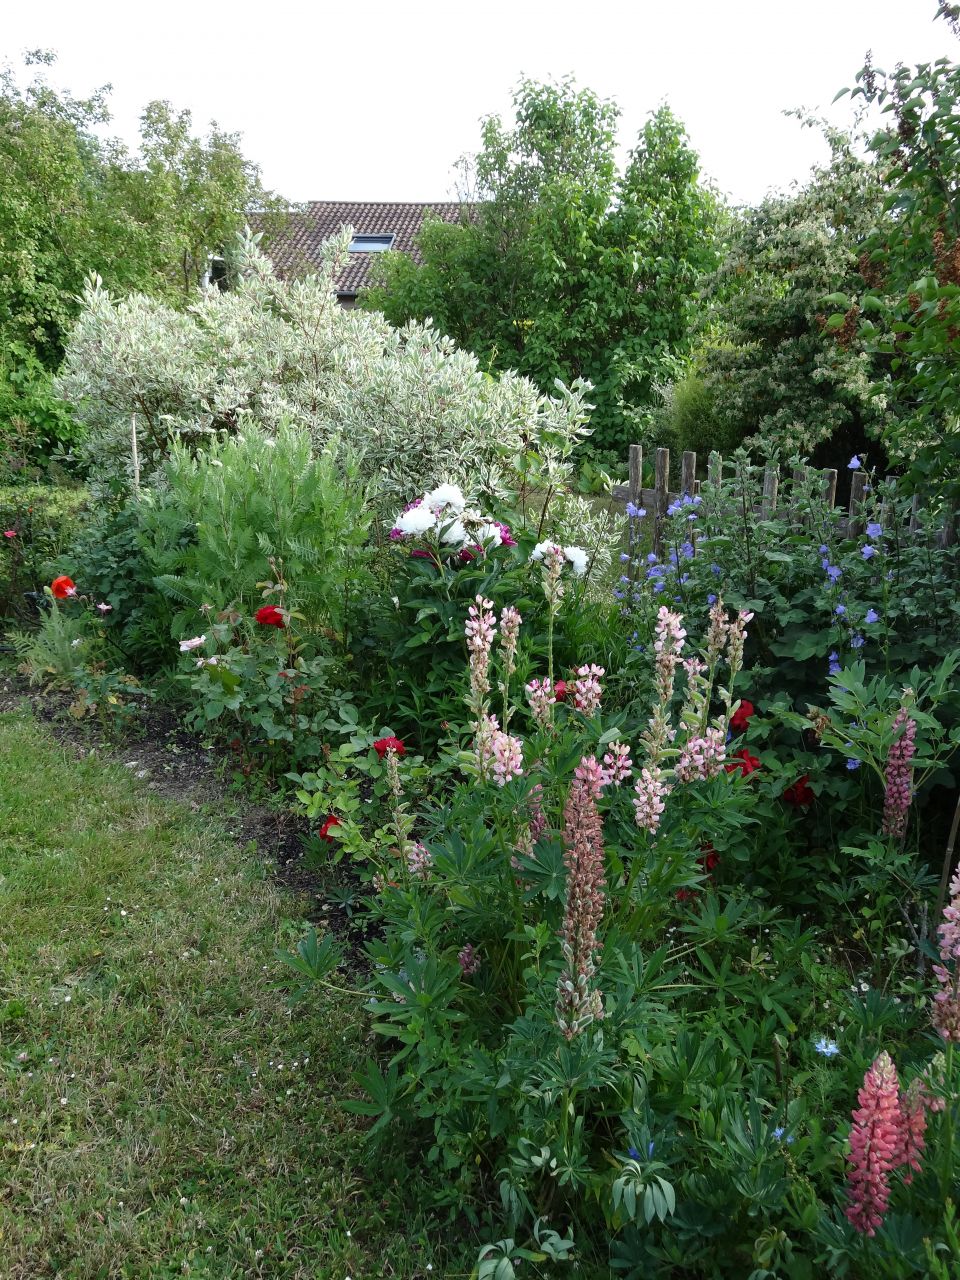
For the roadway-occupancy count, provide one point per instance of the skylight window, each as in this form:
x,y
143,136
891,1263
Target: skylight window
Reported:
x,y
371,244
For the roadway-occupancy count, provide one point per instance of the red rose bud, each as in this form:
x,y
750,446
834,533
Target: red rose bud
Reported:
x,y
743,761
328,822
383,745
270,616
741,717
798,793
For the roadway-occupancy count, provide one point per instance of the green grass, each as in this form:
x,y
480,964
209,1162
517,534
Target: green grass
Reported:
x,y
162,1111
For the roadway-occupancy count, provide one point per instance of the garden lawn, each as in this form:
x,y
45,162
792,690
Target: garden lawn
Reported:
x,y
162,1111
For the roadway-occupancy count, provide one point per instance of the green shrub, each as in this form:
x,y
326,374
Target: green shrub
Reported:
x,y
43,519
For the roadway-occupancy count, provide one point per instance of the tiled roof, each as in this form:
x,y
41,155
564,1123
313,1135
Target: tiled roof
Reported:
x,y
296,249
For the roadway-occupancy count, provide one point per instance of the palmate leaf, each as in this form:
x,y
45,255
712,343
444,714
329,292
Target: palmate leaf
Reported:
x,y
314,959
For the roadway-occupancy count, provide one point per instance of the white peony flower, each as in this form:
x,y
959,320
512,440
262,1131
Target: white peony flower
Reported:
x,y
489,533
445,495
541,549
578,558
454,533
416,520
195,643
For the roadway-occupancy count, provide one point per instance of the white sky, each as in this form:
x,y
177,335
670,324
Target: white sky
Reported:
x,y
371,100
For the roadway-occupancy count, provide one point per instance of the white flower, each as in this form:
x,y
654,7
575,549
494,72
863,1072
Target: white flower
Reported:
x,y
454,533
195,643
490,533
445,495
578,558
542,549
416,520
104,607
208,662
74,643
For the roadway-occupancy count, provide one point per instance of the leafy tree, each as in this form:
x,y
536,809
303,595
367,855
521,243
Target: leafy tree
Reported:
x,y
562,266
73,202
907,304
766,364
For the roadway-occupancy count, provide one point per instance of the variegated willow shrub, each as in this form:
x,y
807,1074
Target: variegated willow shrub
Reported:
x,y
592,1010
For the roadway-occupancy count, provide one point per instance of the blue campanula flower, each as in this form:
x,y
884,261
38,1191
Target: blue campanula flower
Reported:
x,y
711,598
833,573
840,610
651,558
634,512
856,642
854,464
834,662
823,549
716,570
827,1048
686,550
624,558
874,530
871,616
852,764
633,1153
868,552
781,1134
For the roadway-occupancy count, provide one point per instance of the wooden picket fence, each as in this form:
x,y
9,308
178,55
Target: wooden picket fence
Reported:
x,y
658,499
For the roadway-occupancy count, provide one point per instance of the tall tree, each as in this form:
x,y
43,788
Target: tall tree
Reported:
x,y
562,266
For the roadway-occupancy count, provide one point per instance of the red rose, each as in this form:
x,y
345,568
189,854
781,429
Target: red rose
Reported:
x,y
560,690
328,822
708,861
743,761
63,587
270,616
799,794
709,858
383,745
741,717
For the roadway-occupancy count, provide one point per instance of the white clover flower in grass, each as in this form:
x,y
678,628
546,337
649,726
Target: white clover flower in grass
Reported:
x,y
445,495
195,643
417,520
577,558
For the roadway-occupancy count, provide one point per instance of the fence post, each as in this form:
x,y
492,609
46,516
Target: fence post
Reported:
x,y
858,483
714,468
688,474
915,514
771,478
661,490
636,474
948,534
830,488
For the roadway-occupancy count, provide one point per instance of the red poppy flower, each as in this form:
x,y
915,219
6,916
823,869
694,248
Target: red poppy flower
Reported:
x,y
63,587
328,822
799,794
741,717
560,690
743,761
270,616
383,745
